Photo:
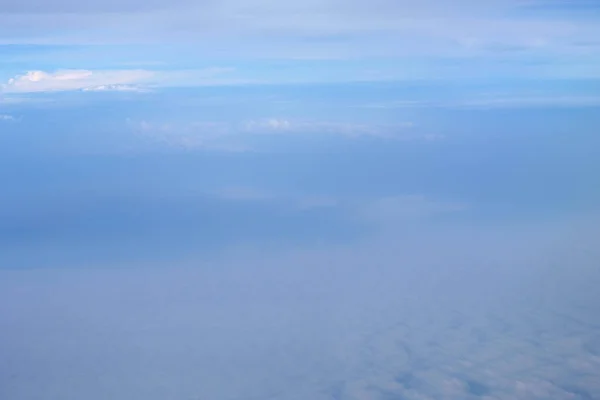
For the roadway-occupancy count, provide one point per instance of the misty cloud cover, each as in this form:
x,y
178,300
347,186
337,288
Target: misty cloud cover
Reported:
x,y
318,200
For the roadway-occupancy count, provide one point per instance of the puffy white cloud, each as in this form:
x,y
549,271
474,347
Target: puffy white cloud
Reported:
x,y
73,79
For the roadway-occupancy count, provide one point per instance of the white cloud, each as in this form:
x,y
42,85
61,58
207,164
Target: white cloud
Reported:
x,y
380,27
72,79
272,124
7,118
493,101
396,104
168,134
190,136
231,136
116,88
120,80
282,125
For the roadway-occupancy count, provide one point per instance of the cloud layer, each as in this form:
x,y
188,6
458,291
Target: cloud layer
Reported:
x,y
316,28
62,80
219,135
118,80
475,314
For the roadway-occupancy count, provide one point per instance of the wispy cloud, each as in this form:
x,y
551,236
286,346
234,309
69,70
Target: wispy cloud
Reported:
x,y
530,102
283,125
7,118
119,80
197,135
64,80
383,211
494,102
210,134
317,28
116,88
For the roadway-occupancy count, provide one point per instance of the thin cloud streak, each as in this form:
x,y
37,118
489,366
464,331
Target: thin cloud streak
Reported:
x,y
113,80
476,102
466,29
213,134
65,80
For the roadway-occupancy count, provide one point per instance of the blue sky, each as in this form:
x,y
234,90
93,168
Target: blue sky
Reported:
x,y
342,199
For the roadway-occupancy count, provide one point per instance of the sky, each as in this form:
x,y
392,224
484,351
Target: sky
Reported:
x,y
329,200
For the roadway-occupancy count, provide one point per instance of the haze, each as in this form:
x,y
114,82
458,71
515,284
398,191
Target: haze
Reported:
x,y
318,200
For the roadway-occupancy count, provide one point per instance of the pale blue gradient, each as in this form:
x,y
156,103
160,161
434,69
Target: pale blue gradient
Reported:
x,y
326,200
